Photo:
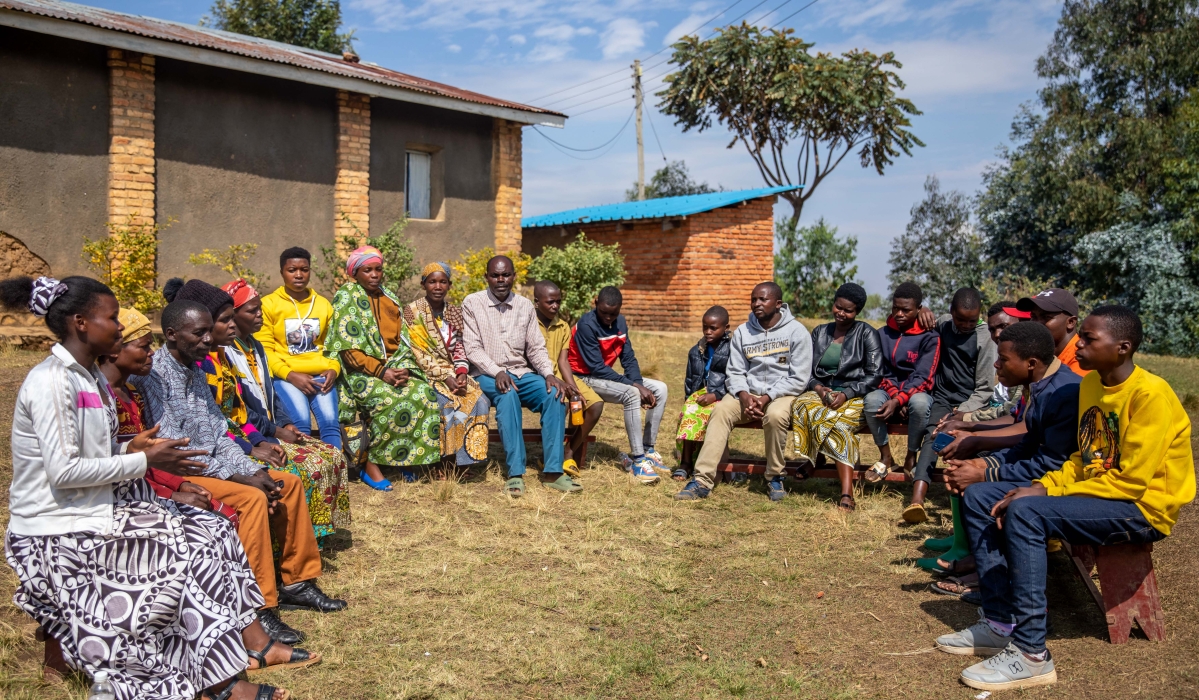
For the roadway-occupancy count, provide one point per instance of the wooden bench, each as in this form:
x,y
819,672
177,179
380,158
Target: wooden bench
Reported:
x,y
1127,589
534,435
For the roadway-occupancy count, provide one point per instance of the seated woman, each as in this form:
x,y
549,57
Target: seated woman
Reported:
x,y
707,363
435,330
381,379
846,365
322,471
186,635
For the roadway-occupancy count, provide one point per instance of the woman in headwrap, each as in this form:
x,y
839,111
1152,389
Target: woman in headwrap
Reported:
x,y
380,378
321,468
435,329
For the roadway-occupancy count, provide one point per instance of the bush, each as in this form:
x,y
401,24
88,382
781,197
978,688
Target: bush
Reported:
x,y
400,266
581,269
126,261
470,272
233,261
811,263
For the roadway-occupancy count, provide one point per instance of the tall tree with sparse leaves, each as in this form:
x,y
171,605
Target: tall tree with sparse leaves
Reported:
x,y
313,24
671,180
772,94
811,263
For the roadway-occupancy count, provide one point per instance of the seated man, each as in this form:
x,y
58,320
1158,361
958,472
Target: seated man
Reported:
x,y
909,365
770,363
547,301
1057,310
179,402
965,370
600,337
507,357
1132,473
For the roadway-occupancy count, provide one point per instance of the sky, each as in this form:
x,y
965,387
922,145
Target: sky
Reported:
x,y
967,65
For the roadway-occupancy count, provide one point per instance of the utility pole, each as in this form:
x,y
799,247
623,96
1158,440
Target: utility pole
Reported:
x,y
637,96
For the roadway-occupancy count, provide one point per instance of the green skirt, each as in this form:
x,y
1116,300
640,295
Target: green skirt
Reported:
x,y
403,423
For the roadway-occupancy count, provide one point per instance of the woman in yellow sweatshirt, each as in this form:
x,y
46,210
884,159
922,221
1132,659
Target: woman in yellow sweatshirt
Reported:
x,y
295,320
1126,483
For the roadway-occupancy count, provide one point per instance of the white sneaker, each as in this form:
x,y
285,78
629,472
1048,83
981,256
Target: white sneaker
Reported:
x,y
1010,669
979,639
653,456
644,470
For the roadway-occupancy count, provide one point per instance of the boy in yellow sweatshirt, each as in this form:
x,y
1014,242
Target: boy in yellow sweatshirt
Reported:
x,y
1126,483
295,320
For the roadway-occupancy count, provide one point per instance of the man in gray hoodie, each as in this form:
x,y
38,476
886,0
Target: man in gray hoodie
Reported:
x,y
770,362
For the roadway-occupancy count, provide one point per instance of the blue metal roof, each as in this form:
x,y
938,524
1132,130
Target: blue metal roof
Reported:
x,y
663,208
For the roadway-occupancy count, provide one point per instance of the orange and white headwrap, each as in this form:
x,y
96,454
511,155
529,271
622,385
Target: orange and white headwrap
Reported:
x,y
361,256
240,290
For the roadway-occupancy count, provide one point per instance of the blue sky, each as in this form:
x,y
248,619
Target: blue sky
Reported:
x,y
968,64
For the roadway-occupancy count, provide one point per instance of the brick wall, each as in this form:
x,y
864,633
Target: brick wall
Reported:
x,y
351,193
673,276
506,178
131,137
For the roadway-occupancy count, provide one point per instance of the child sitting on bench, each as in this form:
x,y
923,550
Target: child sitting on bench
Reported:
x,y
707,363
1126,483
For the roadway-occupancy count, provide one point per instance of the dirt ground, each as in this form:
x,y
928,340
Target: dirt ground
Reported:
x,y
456,591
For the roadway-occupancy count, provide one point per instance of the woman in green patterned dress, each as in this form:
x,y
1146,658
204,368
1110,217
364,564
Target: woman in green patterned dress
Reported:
x,y
381,379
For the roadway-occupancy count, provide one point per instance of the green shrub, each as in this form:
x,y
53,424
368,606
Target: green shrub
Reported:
x,y
400,266
581,269
125,260
471,268
233,261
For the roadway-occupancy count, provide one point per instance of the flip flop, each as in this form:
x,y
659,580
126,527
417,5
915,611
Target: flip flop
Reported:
x,y
565,484
515,487
571,468
915,514
300,658
876,473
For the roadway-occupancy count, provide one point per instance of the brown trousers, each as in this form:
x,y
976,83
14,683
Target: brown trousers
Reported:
x,y
301,558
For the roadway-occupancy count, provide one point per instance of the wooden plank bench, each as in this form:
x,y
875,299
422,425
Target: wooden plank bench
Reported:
x,y
1127,589
534,435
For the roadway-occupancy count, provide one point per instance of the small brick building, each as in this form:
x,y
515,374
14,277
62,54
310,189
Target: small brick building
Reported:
x,y
106,115
682,255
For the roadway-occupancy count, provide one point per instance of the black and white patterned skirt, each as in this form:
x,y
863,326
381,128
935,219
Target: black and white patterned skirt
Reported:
x,y
160,603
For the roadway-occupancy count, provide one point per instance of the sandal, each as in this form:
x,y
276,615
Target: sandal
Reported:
x,y
847,507
571,468
300,658
265,692
955,586
958,567
565,484
679,474
515,487
876,473
915,514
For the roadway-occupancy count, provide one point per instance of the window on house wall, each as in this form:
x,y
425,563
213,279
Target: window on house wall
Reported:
x,y
419,189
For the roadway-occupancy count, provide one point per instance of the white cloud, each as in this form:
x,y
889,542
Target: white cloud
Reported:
x,y
453,48
549,52
623,36
585,31
687,26
517,39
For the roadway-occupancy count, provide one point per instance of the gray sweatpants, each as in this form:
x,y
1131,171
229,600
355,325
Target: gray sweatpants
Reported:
x,y
628,396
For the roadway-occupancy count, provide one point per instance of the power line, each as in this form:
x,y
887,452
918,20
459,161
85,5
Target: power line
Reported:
x,y
785,3
593,99
776,24
584,150
596,109
611,145
648,115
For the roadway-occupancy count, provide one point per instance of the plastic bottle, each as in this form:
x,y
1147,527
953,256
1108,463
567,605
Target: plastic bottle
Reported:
x,y
101,690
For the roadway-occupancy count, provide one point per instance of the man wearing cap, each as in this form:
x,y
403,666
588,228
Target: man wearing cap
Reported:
x,y
1057,310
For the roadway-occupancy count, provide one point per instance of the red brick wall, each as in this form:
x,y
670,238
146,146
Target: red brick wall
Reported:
x,y
673,276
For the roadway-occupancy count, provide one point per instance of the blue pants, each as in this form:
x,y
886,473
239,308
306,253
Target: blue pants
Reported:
x,y
323,406
529,391
1011,561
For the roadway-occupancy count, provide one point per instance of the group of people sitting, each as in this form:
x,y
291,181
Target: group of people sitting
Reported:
x,y
166,504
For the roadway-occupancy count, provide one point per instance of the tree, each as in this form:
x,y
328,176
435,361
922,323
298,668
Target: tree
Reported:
x,y
580,269
234,261
671,180
313,24
768,90
941,250
811,264
399,258
1116,72
127,261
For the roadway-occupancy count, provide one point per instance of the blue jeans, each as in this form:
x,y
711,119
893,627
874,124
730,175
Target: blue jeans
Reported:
x,y
918,408
529,391
323,406
1011,561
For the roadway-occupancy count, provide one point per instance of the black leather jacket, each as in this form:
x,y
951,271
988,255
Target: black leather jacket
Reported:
x,y
861,367
715,378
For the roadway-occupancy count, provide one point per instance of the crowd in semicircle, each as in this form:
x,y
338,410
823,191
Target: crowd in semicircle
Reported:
x,y
167,503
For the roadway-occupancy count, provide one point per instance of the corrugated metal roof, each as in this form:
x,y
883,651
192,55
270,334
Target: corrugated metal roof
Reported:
x,y
662,208
252,47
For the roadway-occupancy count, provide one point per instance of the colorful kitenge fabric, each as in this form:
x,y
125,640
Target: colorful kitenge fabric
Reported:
x,y
693,420
463,418
170,640
129,415
321,468
816,428
405,422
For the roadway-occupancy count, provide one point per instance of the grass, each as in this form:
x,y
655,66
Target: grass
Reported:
x,y
457,591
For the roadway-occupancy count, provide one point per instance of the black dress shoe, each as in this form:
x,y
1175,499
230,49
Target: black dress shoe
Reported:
x,y
279,630
307,595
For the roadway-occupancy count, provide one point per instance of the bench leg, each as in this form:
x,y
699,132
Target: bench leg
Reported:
x,y
53,664
1130,593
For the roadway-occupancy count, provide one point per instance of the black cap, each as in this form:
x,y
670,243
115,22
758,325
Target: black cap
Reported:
x,y
1053,300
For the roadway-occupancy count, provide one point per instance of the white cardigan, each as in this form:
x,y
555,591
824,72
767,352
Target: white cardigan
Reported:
x,y
62,451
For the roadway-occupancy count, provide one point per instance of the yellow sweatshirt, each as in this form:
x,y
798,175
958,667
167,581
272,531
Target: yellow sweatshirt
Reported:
x,y
293,333
1134,445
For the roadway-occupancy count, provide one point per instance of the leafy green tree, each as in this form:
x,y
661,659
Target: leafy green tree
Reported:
x,y
941,250
1117,73
810,264
400,265
671,180
771,93
580,269
313,24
